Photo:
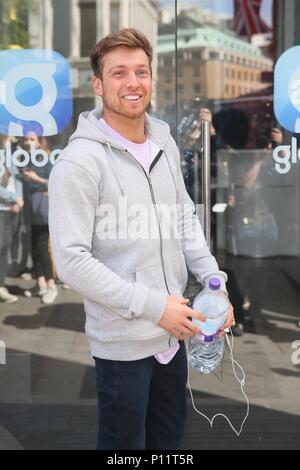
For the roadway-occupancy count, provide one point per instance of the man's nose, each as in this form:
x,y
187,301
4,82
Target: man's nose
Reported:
x,y
132,80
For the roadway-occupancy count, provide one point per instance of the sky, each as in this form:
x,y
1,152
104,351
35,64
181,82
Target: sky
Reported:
x,y
219,7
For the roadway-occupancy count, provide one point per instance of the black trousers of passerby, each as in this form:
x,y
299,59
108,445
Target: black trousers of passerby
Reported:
x,y
142,404
5,241
235,295
40,251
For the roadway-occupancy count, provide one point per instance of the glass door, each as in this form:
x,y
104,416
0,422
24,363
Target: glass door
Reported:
x,y
226,52
213,61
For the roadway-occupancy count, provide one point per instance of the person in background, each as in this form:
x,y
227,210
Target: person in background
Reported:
x,y
36,185
276,137
232,126
205,114
11,203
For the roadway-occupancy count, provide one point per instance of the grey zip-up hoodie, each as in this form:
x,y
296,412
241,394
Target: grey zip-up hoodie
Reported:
x,y
125,280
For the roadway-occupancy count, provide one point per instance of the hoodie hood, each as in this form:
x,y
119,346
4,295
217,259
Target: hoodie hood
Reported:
x,y
90,128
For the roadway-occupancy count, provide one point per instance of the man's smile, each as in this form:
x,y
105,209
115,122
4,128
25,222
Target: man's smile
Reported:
x,y
132,98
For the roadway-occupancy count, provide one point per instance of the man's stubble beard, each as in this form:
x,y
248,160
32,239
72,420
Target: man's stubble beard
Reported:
x,y
123,113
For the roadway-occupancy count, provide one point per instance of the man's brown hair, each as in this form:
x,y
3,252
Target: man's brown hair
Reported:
x,y
127,37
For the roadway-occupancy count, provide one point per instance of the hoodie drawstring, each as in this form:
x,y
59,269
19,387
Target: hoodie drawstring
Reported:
x,y
114,169
171,171
115,172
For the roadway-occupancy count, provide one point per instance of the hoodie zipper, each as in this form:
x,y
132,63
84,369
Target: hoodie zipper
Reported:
x,y
163,266
160,234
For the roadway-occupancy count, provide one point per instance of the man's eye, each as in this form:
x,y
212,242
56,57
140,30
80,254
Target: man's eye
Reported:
x,y
116,74
143,73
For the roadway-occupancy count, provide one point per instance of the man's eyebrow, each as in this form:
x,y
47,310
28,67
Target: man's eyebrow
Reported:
x,y
124,67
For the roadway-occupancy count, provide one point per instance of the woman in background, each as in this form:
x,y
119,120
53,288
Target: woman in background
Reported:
x,y
36,182
11,203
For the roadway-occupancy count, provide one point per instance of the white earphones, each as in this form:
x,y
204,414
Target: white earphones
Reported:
x,y
242,383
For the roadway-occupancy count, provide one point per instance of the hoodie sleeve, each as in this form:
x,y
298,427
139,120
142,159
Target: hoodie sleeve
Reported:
x,y
197,254
7,197
73,201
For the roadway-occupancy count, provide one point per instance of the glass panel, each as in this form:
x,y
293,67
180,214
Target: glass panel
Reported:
x,y
255,208
114,16
88,27
61,28
47,383
213,60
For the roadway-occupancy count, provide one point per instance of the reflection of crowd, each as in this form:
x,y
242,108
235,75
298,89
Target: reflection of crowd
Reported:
x,y
24,200
24,196
249,219
11,203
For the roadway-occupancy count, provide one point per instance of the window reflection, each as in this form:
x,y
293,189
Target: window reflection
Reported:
x,y
218,66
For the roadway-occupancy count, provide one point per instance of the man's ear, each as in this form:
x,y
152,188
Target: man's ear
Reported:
x,y
97,85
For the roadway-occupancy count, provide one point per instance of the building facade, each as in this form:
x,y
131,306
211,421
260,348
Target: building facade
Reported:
x,y
212,64
72,27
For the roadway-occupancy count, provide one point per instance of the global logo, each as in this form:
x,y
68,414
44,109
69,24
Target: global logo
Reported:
x,y
287,107
35,92
287,90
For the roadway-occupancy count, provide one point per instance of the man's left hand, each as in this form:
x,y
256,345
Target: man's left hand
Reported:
x,y
230,322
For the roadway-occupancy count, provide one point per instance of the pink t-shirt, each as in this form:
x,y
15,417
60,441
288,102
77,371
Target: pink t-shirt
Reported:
x,y
144,154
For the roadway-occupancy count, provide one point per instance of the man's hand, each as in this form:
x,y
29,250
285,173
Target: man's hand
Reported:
x,y
32,176
229,322
206,115
20,202
175,319
14,208
276,135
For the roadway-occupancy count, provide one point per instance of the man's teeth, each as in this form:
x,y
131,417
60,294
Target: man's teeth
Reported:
x,y
132,97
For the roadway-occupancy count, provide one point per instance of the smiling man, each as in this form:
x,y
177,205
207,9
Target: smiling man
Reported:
x,y
126,90
133,286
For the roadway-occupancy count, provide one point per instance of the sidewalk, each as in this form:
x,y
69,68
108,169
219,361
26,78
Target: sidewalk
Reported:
x,y
47,388
7,441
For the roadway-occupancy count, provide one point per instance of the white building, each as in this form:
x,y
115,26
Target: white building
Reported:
x,y
72,27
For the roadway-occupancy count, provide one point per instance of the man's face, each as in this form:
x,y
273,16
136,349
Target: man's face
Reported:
x,y
126,84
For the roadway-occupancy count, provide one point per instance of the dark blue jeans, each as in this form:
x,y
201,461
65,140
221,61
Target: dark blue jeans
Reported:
x,y
142,404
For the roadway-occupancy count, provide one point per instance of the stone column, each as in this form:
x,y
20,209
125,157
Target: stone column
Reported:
x,y
75,29
47,24
103,18
40,26
124,13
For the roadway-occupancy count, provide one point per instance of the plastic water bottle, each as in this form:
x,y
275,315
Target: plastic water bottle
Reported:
x,y
206,350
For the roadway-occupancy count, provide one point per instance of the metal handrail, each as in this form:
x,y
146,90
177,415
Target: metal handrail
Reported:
x,y
206,179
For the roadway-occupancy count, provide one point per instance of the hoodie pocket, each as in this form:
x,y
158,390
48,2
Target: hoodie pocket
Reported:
x,y
152,277
184,271
177,274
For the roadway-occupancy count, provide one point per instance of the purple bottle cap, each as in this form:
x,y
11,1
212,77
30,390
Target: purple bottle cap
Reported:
x,y
209,339
214,284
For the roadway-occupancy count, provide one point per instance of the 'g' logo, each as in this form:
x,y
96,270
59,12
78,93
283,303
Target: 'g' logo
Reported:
x,y
287,90
35,92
